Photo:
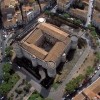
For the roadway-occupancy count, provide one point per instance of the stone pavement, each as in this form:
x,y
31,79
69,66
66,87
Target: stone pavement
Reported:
x,y
16,85
57,95
29,94
23,73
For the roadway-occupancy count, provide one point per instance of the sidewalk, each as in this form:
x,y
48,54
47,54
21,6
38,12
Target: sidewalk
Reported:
x,y
16,85
57,95
29,94
31,79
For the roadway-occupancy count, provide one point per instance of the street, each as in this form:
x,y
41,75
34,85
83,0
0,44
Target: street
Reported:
x,y
2,49
96,76
90,10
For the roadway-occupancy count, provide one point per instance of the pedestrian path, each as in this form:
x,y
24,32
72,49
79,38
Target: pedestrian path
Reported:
x,y
57,95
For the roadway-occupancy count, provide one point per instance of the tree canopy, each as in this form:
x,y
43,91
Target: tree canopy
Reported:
x,y
8,51
6,76
74,83
89,70
77,21
6,67
66,15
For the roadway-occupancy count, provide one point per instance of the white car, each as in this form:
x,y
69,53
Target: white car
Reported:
x,y
2,81
19,67
95,71
1,98
98,67
10,62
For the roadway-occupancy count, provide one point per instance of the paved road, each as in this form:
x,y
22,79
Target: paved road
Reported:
x,y
19,34
3,44
96,76
2,49
90,11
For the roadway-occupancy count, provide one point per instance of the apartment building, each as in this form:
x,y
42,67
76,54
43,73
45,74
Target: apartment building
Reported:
x,y
62,4
97,4
96,18
90,93
96,15
12,17
29,12
12,20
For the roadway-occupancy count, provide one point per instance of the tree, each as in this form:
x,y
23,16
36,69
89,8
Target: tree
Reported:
x,y
47,12
19,91
82,42
70,87
79,79
78,4
66,15
98,55
93,33
73,84
27,87
81,5
6,67
8,51
89,71
4,88
48,99
6,76
35,96
90,27
78,21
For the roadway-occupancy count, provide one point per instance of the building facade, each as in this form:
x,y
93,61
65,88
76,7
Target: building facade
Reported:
x,y
46,46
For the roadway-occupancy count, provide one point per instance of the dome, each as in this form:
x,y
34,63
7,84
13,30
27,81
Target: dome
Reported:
x,y
41,20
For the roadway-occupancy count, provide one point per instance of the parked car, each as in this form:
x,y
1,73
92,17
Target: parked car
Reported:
x,y
2,98
95,71
98,67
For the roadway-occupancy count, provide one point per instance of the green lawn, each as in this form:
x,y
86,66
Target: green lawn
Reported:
x,y
35,96
14,79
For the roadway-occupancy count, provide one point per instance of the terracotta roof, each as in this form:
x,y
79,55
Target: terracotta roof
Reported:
x,y
34,50
15,17
27,8
91,92
53,31
56,52
79,97
96,16
34,36
29,43
10,2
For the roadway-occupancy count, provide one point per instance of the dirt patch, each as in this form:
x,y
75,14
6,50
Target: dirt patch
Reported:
x,y
89,61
